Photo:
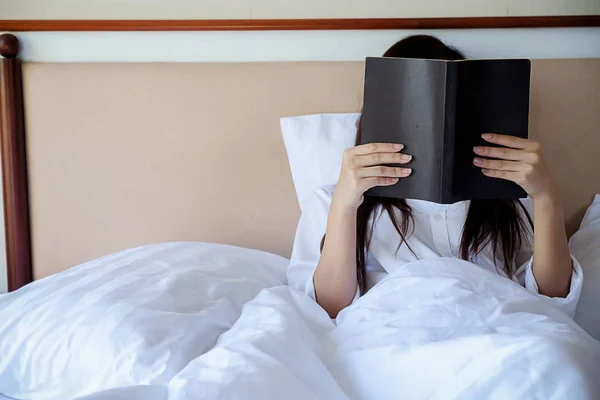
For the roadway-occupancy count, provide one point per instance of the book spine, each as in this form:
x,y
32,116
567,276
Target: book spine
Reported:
x,y
450,111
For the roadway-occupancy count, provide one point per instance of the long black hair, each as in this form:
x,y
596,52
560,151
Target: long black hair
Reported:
x,y
496,222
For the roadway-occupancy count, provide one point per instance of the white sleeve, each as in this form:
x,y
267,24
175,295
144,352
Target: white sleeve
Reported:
x,y
566,304
307,243
526,278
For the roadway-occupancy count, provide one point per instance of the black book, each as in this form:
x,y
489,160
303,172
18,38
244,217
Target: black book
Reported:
x,y
438,110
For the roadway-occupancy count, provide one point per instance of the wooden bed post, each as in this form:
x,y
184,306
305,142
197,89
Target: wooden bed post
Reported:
x,y
14,166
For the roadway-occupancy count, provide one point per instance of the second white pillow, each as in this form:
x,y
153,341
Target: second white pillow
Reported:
x,y
585,246
315,145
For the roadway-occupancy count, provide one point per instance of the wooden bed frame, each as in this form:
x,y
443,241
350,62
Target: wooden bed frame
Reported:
x,y
12,122
14,166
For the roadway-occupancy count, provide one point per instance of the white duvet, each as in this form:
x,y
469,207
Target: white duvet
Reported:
x,y
130,318
438,329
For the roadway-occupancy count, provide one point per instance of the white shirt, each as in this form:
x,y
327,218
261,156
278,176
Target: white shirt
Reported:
x,y
437,233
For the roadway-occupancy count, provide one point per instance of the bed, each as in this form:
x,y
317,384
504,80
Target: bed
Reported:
x,y
176,171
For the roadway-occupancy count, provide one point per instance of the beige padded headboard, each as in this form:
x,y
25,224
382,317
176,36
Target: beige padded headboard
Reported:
x,y
122,155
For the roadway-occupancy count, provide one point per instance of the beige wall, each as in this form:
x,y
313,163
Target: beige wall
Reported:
x,y
121,155
245,9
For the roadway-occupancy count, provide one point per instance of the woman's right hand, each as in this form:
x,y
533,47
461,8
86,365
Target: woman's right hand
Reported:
x,y
362,169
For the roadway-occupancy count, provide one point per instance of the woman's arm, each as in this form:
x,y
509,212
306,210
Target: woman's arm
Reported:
x,y
521,161
552,265
335,278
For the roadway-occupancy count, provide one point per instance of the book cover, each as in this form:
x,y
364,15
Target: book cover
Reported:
x,y
438,110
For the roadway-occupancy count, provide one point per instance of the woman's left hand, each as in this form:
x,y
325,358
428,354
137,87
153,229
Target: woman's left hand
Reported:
x,y
520,161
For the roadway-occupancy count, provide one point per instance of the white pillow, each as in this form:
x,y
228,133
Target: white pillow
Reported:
x,y
315,145
131,318
585,246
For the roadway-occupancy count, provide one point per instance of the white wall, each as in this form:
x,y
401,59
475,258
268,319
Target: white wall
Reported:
x,y
258,9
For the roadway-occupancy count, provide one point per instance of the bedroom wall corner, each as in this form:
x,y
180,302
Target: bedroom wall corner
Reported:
x,y
3,271
3,264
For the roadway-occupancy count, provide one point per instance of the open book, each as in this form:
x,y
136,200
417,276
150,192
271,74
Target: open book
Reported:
x,y
438,110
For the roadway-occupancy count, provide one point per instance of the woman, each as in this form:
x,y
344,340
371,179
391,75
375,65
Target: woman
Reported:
x,y
365,238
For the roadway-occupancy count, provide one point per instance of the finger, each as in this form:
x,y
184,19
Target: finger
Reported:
x,y
391,172
499,165
507,175
372,182
371,148
503,153
509,141
382,158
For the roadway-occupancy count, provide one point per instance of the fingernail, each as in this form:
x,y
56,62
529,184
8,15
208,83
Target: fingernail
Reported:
x,y
398,146
487,136
477,161
406,171
406,157
477,149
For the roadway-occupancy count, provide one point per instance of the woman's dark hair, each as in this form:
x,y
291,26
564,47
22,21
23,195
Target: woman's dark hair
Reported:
x,y
495,222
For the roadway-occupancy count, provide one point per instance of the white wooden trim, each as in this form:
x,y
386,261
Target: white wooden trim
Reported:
x,y
265,46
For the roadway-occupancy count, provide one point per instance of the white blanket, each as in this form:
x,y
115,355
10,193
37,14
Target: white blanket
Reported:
x,y
441,329
136,317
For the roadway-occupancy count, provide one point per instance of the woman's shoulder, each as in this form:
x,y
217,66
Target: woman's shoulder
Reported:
x,y
323,193
527,204
319,199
